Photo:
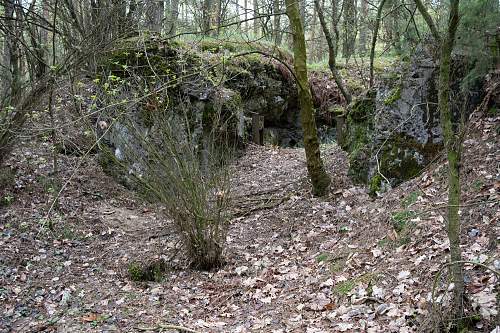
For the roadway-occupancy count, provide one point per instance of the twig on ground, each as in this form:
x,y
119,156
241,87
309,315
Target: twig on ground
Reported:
x,y
167,327
267,205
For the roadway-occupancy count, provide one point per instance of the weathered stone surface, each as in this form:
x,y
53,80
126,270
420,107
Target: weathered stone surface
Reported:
x,y
196,91
394,131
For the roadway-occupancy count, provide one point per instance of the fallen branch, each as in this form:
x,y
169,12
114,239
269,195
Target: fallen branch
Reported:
x,y
167,327
266,205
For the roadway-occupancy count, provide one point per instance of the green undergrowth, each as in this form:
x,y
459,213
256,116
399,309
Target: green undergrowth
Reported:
x,y
153,271
334,263
403,221
344,288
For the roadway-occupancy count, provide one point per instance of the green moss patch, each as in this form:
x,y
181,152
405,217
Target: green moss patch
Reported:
x,y
393,97
153,271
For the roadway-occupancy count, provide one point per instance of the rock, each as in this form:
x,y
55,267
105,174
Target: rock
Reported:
x,y
172,84
473,232
394,131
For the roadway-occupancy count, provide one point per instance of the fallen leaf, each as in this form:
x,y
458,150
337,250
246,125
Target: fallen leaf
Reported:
x,y
90,317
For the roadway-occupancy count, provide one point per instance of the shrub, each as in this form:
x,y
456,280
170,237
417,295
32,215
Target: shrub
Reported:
x,y
183,165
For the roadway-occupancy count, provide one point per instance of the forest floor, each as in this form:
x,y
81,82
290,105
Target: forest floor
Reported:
x,y
295,263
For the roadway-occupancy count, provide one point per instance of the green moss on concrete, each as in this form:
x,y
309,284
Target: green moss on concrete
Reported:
x,y
359,124
398,158
363,107
393,97
112,166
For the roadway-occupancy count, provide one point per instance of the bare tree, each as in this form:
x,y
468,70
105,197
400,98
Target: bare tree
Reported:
x,y
374,38
453,139
12,52
332,54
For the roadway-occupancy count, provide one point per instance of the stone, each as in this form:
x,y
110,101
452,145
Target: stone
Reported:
x,y
394,131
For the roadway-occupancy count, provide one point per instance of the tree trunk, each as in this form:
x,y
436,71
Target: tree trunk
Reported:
x,y
428,19
302,4
319,178
392,26
335,24
314,44
174,15
363,27
277,22
206,16
12,52
453,144
374,38
131,14
332,54
154,15
349,29
256,22
245,7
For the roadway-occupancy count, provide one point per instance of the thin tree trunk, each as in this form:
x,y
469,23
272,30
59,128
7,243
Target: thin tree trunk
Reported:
x,y
374,38
392,26
238,14
13,52
362,27
256,22
428,19
218,16
453,144
349,29
131,14
332,54
314,44
245,5
51,94
174,16
319,178
335,24
277,22
206,16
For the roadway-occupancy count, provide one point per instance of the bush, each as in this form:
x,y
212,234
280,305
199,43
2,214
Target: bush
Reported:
x,y
183,165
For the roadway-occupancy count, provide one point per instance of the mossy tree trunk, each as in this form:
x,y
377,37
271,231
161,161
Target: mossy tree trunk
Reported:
x,y
453,144
319,178
206,16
